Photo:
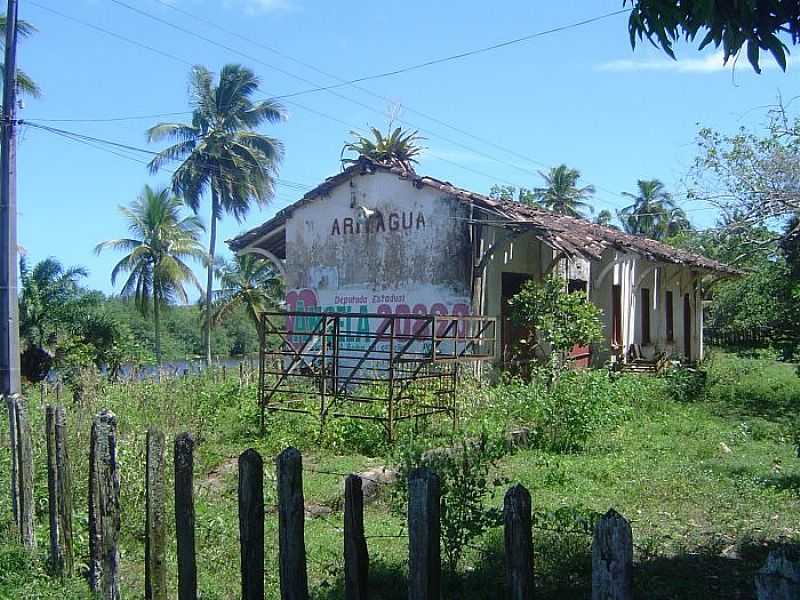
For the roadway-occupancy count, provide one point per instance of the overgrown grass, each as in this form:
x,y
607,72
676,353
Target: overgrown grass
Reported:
x,y
706,471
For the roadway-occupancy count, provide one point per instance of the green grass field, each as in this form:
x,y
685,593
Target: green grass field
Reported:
x,y
710,481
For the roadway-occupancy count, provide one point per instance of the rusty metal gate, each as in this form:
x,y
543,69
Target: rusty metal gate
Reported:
x,y
380,367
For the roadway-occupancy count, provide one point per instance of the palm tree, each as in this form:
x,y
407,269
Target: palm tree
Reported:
x,y
398,148
221,152
562,194
249,281
161,240
50,293
649,214
25,84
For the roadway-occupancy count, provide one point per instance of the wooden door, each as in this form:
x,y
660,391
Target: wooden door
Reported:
x,y
687,327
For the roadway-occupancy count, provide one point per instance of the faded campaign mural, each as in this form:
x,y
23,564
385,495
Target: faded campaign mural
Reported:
x,y
378,247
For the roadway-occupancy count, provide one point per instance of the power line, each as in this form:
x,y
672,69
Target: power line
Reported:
x,y
330,88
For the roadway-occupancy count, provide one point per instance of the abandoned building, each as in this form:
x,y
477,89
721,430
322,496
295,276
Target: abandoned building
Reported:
x,y
383,240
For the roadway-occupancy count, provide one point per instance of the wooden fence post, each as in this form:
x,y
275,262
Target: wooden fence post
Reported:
x,y
612,558
104,518
251,524
184,516
11,405
424,555
25,475
356,557
155,567
518,543
59,491
779,578
291,526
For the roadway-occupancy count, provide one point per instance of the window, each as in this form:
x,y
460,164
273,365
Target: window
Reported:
x,y
668,305
645,316
576,285
616,315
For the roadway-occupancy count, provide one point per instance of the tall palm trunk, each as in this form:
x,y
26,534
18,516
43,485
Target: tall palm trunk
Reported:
x,y
210,279
157,324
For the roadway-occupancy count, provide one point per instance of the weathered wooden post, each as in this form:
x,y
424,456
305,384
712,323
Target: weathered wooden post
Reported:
x,y
356,557
155,567
518,543
291,526
24,451
59,491
612,558
779,578
251,524
184,516
104,519
11,405
424,555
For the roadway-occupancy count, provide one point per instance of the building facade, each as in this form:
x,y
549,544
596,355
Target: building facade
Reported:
x,y
376,239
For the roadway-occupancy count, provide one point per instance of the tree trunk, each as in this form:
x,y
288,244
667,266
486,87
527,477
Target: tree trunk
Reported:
x,y
210,279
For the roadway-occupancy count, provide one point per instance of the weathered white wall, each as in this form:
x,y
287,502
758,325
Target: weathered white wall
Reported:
x,y
413,256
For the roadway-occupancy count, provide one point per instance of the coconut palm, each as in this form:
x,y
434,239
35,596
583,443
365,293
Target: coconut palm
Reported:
x,y
221,153
25,84
161,241
561,193
649,214
604,217
50,294
397,148
247,281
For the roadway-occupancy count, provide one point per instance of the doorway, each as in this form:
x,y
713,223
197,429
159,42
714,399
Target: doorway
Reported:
x,y
511,333
687,327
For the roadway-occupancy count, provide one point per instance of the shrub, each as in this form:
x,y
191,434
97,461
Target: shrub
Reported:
x,y
464,472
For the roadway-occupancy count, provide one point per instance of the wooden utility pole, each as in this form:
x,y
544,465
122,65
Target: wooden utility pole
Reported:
x,y
9,314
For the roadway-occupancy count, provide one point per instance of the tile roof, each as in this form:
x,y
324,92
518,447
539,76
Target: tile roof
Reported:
x,y
571,235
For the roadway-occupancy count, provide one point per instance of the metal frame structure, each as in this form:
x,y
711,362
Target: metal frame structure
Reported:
x,y
380,367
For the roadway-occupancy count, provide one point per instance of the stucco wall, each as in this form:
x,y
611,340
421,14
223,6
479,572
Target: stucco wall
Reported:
x,y
411,256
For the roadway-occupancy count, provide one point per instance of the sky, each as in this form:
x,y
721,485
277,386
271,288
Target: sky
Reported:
x,y
580,96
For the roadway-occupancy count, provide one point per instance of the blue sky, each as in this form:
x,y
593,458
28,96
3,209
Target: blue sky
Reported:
x,y
580,96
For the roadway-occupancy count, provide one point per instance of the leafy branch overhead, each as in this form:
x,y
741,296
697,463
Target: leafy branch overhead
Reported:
x,y
753,25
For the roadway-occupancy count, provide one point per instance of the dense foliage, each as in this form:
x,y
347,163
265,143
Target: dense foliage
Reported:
x,y
753,25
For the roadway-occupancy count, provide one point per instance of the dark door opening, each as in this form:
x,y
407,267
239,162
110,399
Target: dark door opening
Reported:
x,y
511,333
687,327
616,316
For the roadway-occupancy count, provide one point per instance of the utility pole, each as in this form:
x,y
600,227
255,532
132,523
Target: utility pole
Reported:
x,y
9,310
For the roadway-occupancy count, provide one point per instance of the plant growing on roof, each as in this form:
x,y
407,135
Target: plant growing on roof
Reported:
x,y
556,320
397,148
561,193
221,152
161,240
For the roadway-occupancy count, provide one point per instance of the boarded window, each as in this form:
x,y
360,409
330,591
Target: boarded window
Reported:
x,y
670,317
645,316
616,314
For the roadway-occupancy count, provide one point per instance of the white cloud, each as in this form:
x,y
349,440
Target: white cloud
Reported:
x,y
712,63
259,6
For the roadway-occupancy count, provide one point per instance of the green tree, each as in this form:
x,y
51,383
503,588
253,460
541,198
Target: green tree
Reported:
x,y
50,294
25,84
509,193
604,218
653,213
248,282
556,320
732,24
222,153
397,148
561,193
161,240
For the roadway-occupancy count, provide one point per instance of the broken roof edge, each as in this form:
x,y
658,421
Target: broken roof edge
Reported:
x,y
571,235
